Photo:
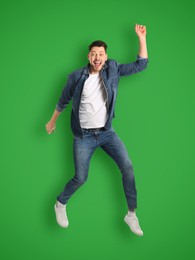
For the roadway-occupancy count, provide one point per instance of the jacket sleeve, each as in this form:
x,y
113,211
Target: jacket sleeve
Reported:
x,y
66,95
133,67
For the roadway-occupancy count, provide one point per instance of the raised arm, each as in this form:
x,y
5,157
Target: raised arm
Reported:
x,y
142,59
141,33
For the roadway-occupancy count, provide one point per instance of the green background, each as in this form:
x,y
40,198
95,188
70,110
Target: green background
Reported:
x,y
41,43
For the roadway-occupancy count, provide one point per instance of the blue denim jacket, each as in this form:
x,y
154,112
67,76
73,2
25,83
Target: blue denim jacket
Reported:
x,y
110,73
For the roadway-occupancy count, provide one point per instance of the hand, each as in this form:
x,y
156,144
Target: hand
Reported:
x,y
50,127
140,30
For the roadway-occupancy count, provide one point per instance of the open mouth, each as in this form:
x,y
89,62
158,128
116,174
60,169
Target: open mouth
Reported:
x,y
97,63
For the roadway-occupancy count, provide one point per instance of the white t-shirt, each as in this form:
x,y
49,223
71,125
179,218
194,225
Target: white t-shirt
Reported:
x,y
93,111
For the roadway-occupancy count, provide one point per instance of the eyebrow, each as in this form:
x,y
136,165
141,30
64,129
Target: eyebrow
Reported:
x,y
99,51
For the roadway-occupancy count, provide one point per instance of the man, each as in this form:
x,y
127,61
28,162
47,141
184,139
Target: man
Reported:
x,y
93,91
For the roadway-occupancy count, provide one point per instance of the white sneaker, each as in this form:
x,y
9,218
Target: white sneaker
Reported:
x,y
61,215
133,222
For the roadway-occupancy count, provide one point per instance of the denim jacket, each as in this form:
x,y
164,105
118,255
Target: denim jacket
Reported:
x,y
110,73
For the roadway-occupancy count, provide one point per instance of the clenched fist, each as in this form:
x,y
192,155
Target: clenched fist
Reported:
x,y
140,30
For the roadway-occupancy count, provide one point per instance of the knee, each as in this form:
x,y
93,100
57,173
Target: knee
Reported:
x,y
127,168
79,180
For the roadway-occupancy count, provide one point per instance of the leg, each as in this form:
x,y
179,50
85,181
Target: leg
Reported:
x,y
116,149
83,150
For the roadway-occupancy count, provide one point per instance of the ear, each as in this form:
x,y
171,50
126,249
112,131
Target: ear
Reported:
x,y
88,56
106,56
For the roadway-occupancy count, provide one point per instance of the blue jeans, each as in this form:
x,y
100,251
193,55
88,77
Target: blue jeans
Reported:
x,y
114,147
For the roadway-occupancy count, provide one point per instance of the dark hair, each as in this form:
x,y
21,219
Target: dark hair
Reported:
x,y
98,44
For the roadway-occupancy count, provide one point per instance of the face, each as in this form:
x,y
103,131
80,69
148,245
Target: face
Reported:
x,y
97,57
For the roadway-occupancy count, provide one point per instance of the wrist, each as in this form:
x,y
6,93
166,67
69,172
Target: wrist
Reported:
x,y
53,121
142,39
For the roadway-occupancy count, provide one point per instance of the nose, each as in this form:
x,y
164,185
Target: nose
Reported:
x,y
97,56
